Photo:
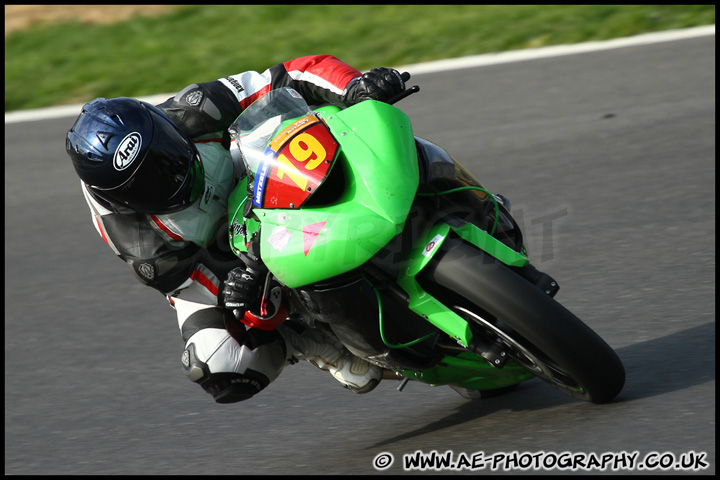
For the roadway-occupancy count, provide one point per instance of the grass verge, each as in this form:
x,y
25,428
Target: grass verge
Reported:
x,y
71,62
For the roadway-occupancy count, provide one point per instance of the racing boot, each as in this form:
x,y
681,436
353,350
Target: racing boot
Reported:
x,y
328,354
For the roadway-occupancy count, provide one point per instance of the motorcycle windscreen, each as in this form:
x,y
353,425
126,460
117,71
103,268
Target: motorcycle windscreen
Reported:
x,y
296,162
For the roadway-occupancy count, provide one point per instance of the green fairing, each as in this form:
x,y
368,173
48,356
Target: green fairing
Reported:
x,y
314,243
467,371
484,241
365,218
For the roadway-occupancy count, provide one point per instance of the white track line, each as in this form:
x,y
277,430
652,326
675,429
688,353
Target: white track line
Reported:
x,y
438,66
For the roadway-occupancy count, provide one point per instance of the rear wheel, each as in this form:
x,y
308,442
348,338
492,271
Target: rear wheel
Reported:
x,y
528,325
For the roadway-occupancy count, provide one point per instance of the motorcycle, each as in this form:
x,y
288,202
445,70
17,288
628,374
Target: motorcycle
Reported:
x,y
385,242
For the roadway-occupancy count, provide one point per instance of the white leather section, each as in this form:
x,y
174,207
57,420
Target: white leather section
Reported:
x,y
315,80
97,211
200,222
207,342
251,82
184,309
222,353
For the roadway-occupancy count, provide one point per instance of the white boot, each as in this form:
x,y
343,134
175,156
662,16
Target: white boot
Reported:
x,y
330,355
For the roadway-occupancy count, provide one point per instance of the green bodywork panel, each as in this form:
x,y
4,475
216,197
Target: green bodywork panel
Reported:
x,y
303,246
306,245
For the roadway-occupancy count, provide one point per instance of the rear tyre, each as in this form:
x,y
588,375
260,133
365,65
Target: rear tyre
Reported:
x,y
534,329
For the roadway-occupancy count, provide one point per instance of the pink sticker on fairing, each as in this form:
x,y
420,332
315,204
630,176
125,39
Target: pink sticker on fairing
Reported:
x,y
310,234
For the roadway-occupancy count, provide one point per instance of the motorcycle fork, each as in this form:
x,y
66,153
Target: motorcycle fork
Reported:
x,y
435,311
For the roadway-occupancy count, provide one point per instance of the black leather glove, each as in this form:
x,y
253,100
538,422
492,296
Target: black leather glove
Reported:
x,y
241,292
378,84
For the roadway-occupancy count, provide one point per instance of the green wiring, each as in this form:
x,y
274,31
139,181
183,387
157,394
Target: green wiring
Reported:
x,y
242,203
380,321
459,189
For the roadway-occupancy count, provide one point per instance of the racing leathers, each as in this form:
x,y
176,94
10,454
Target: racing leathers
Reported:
x,y
185,255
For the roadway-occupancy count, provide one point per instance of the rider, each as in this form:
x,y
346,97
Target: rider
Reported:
x,y
157,181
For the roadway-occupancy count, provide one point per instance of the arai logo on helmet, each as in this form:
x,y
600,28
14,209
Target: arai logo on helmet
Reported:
x,y
127,151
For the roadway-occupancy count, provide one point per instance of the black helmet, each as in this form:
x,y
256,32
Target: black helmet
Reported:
x,y
129,152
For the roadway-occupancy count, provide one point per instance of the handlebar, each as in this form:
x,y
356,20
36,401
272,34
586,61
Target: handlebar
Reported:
x,y
405,93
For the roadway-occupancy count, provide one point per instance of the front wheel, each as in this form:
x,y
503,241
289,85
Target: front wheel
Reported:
x,y
530,326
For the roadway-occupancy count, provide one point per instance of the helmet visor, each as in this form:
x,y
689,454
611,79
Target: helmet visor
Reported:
x,y
169,178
